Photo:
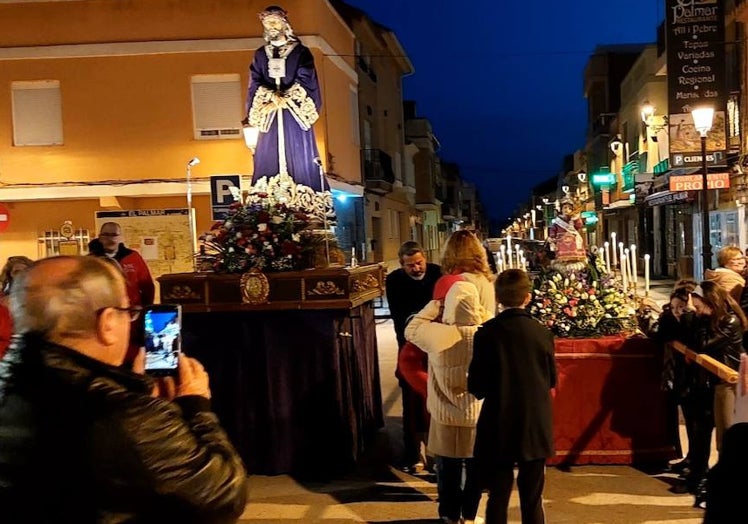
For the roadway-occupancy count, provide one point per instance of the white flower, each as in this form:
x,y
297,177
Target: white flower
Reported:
x,y
277,219
262,227
228,224
238,234
230,249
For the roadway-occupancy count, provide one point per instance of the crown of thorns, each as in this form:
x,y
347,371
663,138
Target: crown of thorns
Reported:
x,y
274,10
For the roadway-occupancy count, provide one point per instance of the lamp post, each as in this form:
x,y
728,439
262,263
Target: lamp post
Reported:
x,y
191,219
702,121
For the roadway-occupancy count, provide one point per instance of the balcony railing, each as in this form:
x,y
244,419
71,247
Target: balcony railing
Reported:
x,y
376,166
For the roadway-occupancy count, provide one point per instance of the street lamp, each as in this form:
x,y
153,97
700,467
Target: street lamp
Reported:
x,y
190,218
702,121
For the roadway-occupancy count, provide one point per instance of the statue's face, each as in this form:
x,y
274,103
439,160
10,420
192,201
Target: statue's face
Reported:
x,y
566,209
274,27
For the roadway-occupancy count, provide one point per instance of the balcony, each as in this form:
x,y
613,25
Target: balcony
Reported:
x,y
376,165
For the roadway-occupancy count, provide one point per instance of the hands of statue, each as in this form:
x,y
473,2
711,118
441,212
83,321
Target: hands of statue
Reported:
x,y
278,100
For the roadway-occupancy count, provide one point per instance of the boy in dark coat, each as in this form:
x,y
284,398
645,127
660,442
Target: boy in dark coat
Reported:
x,y
514,370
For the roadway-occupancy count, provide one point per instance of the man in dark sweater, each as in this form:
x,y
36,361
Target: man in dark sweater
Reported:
x,y
409,289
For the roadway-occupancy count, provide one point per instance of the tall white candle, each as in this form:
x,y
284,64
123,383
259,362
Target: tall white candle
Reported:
x,y
509,251
634,272
503,255
646,275
532,233
519,256
620,255
607,255
624,268
532,214
613,243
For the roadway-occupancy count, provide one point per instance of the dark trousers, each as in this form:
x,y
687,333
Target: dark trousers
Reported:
x,y
698,412
456,498
530,483
415,424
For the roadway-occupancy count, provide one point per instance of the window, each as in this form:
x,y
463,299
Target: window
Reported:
x,y
37,113
217,106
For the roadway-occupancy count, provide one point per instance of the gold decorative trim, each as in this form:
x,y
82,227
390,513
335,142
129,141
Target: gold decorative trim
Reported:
x,y
182,292
325,288
255,288
362,284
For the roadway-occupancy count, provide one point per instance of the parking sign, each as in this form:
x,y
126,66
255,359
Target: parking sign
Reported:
x,y
221,196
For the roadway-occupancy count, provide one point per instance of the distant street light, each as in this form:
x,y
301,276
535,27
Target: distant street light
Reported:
x,y
702,121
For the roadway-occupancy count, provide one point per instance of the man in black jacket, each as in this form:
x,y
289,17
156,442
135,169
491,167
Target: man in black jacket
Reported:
x,y
82,439
409,289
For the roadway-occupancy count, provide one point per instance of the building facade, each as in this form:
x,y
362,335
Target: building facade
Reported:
x,y
105,110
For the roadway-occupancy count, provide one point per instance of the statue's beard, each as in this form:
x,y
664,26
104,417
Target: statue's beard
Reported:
x,y
275,37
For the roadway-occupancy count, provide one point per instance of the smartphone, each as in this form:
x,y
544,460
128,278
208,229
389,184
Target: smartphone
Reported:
x,y
162,324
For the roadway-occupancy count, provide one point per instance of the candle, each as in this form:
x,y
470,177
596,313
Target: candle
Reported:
x,y
532,233
634,272
607,255
620,256
624,268
613,243
532,214
519,256
646,275
502,250
509,251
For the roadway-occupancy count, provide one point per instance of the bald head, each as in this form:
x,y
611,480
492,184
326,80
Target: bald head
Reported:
x,y
60,297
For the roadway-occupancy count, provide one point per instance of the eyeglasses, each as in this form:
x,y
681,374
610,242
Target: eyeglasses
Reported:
x,y
133,311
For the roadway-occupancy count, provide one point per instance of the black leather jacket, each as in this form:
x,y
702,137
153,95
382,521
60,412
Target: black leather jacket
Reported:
x,y
84,442
724,344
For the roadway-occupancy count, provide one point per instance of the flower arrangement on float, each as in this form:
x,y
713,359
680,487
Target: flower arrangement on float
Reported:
x,y
583,304
262,234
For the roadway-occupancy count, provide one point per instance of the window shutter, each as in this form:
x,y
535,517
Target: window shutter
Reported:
x,y
37,113
217,106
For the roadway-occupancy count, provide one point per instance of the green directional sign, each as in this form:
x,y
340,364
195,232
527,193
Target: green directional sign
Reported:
x,y
603,179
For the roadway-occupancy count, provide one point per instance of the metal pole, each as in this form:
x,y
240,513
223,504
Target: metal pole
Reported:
x,y
706,247
191,220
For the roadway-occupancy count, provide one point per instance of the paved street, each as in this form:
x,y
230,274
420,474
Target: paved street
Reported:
x,y
377,492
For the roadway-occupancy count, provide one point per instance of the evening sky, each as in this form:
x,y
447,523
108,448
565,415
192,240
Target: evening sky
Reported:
x,y
502,82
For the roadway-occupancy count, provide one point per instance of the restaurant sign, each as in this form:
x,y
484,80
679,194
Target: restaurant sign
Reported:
x,y
695,183
696,77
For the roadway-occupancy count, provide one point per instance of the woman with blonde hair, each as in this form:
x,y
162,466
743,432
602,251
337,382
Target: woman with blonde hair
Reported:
x,y
465,255
729,274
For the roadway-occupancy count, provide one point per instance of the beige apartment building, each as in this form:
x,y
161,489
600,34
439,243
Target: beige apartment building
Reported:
x,y
105,102
386,162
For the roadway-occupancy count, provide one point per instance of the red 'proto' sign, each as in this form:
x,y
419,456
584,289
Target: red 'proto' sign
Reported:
x,y
694,182
4,218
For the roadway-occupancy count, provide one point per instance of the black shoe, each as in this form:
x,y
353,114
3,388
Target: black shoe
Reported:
x,y
700,495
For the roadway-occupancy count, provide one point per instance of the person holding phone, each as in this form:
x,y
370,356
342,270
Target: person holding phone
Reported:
x,y
84,440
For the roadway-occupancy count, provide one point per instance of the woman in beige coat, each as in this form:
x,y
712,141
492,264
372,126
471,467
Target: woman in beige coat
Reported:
x,y
454,411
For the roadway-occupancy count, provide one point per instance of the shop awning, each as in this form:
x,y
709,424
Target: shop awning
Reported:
x,y
662,198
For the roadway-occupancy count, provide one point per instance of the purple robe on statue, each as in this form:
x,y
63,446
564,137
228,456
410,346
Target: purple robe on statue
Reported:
x,y
300,91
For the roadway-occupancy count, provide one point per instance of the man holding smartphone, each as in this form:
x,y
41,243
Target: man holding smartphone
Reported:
x,y
84,440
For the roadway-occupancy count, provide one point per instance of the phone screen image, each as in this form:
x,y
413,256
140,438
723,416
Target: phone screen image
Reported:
x,y
162,326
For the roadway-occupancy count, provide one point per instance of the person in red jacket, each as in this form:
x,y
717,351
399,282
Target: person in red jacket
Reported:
x,y
140,288
11,270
